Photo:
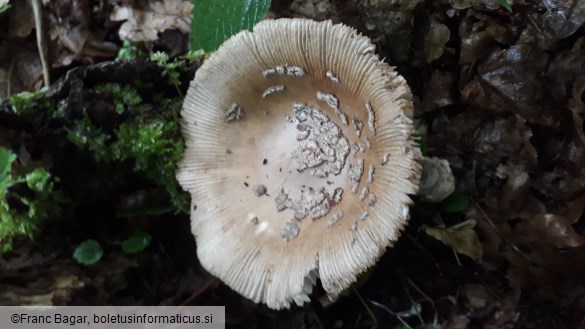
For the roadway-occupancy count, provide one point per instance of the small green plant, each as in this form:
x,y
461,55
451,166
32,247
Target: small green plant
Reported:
x,y
131,50
455,203
169,68
6,160
195,55
27,200
85,134
24,102
136,242
124,97
88,252
506,5
4,8
151,142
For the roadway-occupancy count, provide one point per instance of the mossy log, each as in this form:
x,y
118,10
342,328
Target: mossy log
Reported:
x,y
109,135
106,131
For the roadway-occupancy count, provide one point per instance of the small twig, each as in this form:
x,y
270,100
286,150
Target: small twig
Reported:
x,y
457,260
201,290
415,287
316,317
412,302
8,83
426,298
504,238
382,306
368,309
41,41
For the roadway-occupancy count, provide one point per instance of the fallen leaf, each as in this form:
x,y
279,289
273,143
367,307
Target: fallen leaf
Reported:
x,y
21,20
479,34
438,91
144,24
464,4
435,40
74,34
510,81
461,237
548,231
558,19
476,297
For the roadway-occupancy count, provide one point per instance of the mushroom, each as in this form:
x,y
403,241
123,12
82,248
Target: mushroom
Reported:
x,y
300,159
437,181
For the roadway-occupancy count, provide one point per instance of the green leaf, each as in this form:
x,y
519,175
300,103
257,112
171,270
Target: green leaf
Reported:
x,y
456,202
6,159
137,242
425,209
506,5
38,180
4,8
415,309
215,21
131,50
88,252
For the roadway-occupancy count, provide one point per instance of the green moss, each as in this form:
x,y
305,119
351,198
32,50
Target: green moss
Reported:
x,y
124,97
195,55
130,51
24,102
43,202
6,160
155,153
150,138
59,112
85,135
170,68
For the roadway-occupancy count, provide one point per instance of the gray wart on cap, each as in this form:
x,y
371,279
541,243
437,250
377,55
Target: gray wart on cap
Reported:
x,y
300,159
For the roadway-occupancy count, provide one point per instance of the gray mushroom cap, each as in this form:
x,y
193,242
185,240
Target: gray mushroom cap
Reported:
x,y
300,159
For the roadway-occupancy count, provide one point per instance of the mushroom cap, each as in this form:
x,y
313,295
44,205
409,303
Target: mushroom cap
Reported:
x,y
300,159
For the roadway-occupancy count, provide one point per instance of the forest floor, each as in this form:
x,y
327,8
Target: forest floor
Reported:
x,y
499,92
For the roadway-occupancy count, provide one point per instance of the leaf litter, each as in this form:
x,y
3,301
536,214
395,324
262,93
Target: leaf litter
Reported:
x,y
503,96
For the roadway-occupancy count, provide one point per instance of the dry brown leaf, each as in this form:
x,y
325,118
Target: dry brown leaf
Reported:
x,y
548,231
461,237
439,90
510,80
558,19
435,40
21,20
314,9
479,33
144,24
464,4
475,297
74,35
393,18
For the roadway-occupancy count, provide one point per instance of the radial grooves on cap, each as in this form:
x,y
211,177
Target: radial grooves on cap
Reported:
x,y
253,259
